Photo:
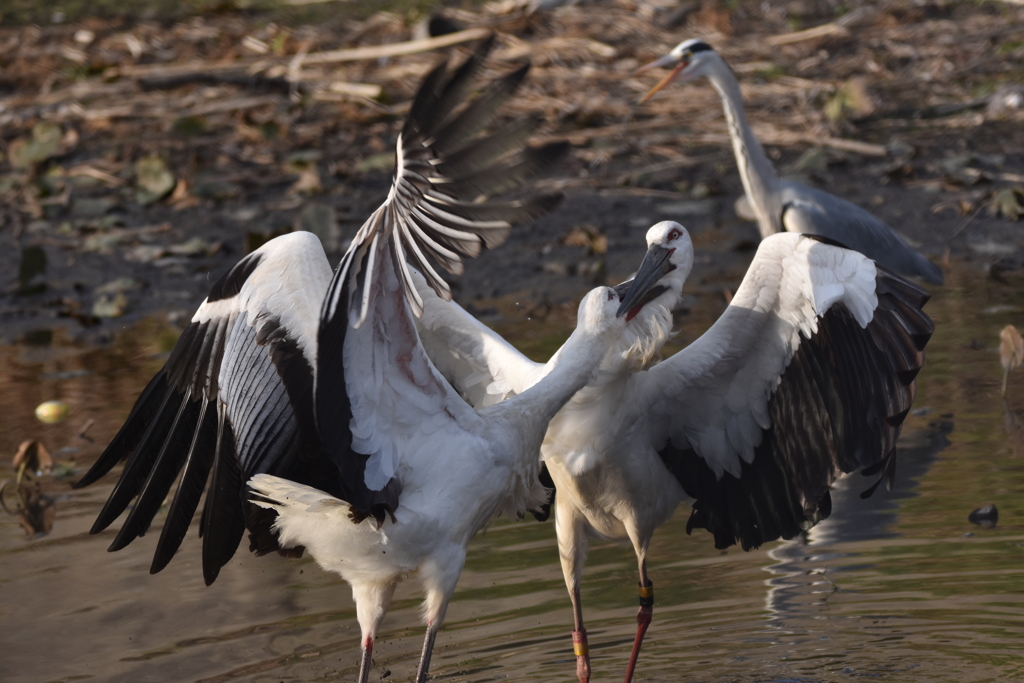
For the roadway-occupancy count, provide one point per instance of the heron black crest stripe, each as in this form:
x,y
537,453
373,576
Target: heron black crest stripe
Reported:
x,y
843,399
700,46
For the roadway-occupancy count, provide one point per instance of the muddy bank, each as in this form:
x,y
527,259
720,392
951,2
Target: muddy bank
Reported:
x,y
124,195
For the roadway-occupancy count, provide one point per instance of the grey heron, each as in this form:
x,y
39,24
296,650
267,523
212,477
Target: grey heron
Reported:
x,y
808,374
306,406
786,205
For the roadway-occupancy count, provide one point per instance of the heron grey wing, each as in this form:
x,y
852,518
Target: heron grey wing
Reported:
x,y
483,367
809,373
229,399
810,211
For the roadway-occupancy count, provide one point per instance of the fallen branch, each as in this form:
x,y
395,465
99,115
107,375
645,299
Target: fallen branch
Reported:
x,y
157,71
396,49
823,31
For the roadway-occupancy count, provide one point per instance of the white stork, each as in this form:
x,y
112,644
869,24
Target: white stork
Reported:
x,y
313,403
786,205
808,374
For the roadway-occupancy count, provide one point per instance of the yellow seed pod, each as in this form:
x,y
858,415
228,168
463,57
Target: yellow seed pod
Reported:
x,y
52,412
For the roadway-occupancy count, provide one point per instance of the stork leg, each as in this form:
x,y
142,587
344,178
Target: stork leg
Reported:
x,y
643,616
439,574
372,602
572,552
428,649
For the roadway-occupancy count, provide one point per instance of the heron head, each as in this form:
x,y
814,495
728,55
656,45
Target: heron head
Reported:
x,y
689,60
666,266
598,311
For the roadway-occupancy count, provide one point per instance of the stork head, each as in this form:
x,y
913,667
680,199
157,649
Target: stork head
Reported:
x,y
598,312
665,268
689,60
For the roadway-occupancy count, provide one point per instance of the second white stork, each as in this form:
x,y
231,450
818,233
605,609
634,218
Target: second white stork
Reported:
x,y
809,373
310,398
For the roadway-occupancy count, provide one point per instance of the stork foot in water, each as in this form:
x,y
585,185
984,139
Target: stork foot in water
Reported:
x,y
582,650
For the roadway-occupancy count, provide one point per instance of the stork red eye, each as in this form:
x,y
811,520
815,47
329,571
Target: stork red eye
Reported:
x,y
674,235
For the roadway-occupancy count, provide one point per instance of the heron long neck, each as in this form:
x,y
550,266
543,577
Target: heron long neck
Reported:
x,y
759,178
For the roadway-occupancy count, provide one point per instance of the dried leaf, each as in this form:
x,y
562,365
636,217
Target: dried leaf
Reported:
x,y
853,98
589,237
1007,203
34,454
110,305
308,182
153,179
1011,348
44,143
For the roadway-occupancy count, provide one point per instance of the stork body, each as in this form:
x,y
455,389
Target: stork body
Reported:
x,y
308,403
785,205
808,374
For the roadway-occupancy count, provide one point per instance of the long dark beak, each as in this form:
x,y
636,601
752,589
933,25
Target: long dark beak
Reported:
x,y
645,285
665,62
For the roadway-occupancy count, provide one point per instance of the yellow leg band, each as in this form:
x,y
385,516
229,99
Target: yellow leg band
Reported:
x,y
646,591
579,643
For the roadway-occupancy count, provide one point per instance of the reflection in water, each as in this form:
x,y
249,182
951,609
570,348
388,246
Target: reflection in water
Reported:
x,y
888,587
801,577
1013,423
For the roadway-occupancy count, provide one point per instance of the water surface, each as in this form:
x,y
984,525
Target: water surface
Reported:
x,y
900,587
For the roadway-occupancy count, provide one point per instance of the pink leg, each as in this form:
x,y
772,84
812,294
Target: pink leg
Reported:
x,y
643,618
364,664
579,640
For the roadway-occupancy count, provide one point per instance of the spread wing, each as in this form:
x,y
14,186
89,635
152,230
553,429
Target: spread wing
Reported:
x,y
813,212
440,208
234,397
443,173
809,373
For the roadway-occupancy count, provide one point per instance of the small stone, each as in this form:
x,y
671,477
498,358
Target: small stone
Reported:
x,y
986,516
52,412
91,207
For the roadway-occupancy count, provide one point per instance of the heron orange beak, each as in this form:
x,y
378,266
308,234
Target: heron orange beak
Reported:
x,y
668,60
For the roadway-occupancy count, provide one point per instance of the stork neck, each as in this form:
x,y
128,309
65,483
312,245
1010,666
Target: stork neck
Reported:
x,y
760,181
567,372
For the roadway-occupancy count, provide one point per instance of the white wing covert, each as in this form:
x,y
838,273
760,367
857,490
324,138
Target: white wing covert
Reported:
x,y
808,373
